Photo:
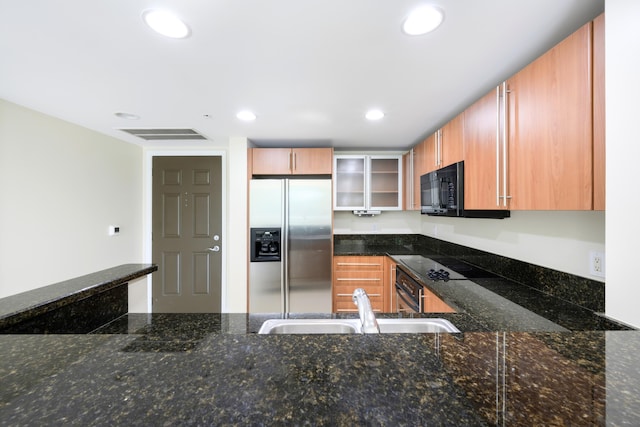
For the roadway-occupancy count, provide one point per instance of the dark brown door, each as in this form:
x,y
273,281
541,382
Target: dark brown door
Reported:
x,y
187,244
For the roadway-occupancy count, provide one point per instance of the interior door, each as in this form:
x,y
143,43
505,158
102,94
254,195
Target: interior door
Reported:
x,y
187,245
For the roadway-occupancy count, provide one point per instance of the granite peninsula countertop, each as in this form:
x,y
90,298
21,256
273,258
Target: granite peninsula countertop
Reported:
x,y
213,369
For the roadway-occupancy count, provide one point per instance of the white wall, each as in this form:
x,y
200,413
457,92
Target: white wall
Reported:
x,y
560,240
390,222
622,41
61,186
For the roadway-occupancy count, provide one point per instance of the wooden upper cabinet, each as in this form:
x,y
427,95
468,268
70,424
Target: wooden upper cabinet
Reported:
x,y
414,167
483,173
292,161
451,141
550,141
430,152
407,167
599,173
312,161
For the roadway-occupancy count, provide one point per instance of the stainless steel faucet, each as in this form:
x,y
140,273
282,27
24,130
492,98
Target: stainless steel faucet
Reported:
x,y
368,319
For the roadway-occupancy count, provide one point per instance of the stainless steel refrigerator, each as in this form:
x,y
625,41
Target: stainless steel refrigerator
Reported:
x,y
291,241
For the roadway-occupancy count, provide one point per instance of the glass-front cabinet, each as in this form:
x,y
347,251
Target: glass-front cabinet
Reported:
x,y
367,182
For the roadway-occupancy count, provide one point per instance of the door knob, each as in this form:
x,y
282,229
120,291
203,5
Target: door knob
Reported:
x,y
215,248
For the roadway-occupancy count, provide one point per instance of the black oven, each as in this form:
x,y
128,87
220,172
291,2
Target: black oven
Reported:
x,y
408,293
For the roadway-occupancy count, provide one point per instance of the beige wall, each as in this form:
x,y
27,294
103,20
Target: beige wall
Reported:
x,y
622,39
61,186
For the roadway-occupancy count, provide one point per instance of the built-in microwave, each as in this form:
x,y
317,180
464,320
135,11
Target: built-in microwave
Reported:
x,y
442,194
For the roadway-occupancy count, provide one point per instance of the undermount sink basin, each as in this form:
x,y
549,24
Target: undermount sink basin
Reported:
x,y
311,326
416,326
353,326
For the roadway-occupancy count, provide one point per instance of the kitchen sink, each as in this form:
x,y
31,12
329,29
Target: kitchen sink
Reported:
x,y
311,326
353,326
416,326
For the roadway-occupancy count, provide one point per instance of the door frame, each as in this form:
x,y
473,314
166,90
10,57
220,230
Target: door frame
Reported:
x,y
147,212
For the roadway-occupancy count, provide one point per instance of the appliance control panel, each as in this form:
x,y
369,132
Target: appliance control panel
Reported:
x,y
265,244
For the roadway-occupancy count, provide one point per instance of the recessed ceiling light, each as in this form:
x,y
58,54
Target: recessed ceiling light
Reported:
x,y
166,23
374,115
423,20
127,116
246,116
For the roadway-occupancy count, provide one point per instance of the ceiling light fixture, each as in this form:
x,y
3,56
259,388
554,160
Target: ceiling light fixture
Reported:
x,y
166,23
423,20
127,116
246,116
374,115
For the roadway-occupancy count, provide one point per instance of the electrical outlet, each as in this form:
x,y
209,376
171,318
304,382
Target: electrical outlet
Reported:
x,y
596,263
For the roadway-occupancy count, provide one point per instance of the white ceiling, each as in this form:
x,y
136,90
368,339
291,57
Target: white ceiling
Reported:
x,y
308,68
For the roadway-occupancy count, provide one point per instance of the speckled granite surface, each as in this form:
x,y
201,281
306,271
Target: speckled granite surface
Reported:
x,y
569,300
88,299
211,369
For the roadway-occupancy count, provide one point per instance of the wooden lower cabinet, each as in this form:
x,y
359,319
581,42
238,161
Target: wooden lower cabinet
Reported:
x,y
433,304
352,272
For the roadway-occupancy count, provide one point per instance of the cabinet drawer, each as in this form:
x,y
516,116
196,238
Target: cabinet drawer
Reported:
x,y
343,306
358,263
347,291
358,278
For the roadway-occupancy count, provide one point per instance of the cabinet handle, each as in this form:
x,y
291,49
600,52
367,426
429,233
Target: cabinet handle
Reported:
x,y
497,145
439,148
501,144
367,279
361,264
295,163
392,287
350,295
505,140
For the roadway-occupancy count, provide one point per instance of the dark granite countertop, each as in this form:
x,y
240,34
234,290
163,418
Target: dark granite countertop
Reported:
x,y
213,369
507,367
495,303
16,308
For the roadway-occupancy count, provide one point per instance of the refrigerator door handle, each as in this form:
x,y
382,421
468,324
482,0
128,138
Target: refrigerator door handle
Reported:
x,y
284,277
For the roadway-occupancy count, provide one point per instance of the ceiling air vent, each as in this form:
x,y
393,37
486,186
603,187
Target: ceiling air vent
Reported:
x,y
164,134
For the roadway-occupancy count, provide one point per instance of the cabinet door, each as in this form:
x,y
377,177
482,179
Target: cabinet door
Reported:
x,y
419,169
312,161
431,152
407,165
431,303
550,129
480,147
598,115
349,182
271,161
450,150
385,183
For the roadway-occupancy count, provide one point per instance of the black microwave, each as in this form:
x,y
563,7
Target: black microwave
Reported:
x,y
442,194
